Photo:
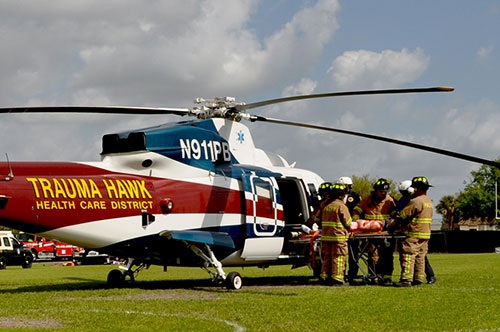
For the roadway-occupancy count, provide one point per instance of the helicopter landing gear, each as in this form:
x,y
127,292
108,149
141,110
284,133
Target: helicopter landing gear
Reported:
x,y
232,281
116,278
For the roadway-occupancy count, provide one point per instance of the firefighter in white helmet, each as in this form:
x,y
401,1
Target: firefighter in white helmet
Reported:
x,y
406,191
352,198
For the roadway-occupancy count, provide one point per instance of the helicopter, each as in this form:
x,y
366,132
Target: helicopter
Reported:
x,y
193,193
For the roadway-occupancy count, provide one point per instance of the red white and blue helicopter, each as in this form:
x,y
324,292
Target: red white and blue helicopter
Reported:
x,y
193,193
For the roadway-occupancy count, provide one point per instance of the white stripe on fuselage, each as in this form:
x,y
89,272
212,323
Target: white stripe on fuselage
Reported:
x,y
102,233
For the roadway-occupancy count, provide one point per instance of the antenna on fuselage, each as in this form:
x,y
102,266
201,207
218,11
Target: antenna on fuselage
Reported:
x,y
10,176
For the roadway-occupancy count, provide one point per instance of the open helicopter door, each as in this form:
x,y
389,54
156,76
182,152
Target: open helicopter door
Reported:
x,y
264,218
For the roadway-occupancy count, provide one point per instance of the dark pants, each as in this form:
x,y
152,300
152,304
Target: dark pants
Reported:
x,y
353,265
429,272
383,257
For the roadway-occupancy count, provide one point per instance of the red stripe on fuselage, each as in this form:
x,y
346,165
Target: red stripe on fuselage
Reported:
x,y
264,208
52,195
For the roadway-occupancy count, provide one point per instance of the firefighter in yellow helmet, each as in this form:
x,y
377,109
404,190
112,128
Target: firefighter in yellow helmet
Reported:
x,y
351,200
336,224
379,205
324,191
415,219
313,224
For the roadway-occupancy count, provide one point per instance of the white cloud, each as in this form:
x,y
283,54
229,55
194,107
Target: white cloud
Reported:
x,y
133,53
474,127
367,69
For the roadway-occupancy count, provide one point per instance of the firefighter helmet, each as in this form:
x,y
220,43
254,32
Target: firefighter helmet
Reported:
x,y
324,188
405,186
420,182
339,189
345,180
381,184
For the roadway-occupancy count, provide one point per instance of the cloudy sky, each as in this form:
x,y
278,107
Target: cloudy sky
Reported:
x,y
166,53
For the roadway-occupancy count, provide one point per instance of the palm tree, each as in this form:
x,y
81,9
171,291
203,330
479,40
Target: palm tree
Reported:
x,y
447,207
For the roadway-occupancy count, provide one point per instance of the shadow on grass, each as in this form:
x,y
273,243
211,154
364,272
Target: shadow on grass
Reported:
x,y
79,284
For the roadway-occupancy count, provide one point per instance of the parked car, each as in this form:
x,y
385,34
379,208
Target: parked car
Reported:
x,y
13,252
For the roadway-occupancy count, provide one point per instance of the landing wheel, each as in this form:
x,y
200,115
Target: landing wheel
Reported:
x,y
116,279
234,281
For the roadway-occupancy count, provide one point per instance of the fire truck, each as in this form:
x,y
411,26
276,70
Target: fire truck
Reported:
x,y
48,249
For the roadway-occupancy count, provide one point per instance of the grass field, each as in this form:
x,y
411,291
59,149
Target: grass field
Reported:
x,y
62,298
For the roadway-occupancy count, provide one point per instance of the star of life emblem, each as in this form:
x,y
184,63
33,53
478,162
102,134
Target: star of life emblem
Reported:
x,y
241,137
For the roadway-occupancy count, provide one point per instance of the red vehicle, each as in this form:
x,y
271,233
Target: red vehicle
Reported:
x,y
43,248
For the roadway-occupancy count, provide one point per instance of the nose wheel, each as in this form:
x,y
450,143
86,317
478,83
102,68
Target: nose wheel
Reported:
x,y
116,278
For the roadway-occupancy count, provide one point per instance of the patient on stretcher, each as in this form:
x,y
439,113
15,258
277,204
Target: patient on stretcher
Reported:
x,y
367,226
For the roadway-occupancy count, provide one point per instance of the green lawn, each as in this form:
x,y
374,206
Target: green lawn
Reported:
x,y
465,298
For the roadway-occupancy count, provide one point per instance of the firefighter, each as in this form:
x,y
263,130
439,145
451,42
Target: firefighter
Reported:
x,y
351,200
379,205
407,191
336,225
324,194
313,224
415,220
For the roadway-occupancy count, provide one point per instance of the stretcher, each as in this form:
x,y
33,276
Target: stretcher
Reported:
x,y
360,246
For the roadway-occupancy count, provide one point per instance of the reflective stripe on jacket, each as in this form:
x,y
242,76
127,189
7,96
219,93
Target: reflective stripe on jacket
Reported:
x,y
371,209
336,222
418,214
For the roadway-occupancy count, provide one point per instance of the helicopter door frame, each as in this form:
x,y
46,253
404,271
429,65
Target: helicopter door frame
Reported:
x,y
263,218
263,203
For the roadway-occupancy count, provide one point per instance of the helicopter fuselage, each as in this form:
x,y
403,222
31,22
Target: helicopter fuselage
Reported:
x,y
149,203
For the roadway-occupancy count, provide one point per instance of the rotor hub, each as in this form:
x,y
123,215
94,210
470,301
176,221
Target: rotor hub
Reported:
x,y
219,107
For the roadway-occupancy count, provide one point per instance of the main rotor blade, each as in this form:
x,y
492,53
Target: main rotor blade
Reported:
x,y
345,93
381,138
95,109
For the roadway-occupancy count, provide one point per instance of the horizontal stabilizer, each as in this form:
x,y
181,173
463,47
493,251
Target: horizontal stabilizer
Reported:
x,y
213,238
